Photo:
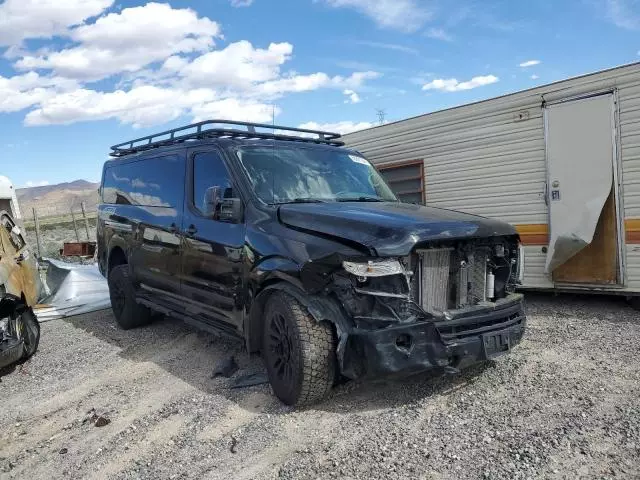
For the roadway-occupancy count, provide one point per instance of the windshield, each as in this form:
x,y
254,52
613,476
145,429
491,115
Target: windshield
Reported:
x,y
287,175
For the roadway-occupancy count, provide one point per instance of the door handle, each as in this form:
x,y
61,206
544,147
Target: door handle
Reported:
x,y
173,228
191,231
546,193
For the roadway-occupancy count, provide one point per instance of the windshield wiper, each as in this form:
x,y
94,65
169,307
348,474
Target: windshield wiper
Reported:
x,y
360,199
302,200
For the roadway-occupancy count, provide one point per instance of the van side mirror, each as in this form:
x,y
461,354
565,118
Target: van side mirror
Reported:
x,y
220,205
212,198
231,210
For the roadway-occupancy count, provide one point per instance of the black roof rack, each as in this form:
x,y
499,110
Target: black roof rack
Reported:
x,y
176,135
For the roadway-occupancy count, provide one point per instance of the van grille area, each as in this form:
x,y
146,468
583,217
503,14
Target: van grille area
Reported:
x,y
448,281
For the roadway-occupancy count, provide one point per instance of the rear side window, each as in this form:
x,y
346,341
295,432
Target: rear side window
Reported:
x,y
153,182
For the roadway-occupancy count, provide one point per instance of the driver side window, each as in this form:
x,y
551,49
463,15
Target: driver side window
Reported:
x,y
211,183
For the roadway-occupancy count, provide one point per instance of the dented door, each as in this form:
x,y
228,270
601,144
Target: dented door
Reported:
x,y
583,246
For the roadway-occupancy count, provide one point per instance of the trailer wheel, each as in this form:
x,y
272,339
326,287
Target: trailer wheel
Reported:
x,y
299,352
129,314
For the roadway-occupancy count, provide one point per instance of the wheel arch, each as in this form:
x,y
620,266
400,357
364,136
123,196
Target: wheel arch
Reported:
x,y
321,307
117,256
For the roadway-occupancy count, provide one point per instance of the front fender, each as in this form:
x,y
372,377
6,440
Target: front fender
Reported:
x,y
273,269
321,307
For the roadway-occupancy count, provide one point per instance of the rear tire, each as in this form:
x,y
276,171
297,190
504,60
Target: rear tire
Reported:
x,y
129,314
299,352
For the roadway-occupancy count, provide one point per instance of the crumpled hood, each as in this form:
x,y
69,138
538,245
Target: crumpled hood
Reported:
x,y
389,228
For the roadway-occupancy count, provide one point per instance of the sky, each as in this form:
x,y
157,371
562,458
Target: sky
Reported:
x,y
77,76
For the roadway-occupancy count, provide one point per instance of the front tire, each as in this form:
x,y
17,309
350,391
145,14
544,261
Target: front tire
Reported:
x,y
299,352
129,314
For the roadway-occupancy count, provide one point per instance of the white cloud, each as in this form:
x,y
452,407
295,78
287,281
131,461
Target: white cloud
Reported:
x,y
338,127
388,46
534,77
238,65
404,15
305,83
241,3
22,91
453,85
529,63
37,183
439,34
356,79
352,97
234,109
296,83
624,13
164,66
22,19
140,106
128,41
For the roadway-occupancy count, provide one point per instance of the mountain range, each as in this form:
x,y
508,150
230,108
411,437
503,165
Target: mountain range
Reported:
x,y
52,200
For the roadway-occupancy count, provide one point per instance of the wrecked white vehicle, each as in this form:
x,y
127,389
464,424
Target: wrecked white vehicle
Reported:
x,y
20,288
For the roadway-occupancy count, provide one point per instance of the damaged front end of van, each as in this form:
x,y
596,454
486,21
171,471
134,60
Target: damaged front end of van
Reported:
x,y
431,293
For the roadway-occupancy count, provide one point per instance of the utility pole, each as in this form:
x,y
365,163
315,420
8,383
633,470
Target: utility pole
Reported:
x,y
36,221
86,221
75,226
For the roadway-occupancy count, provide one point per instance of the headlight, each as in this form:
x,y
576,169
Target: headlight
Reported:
x,y
520,264
374,268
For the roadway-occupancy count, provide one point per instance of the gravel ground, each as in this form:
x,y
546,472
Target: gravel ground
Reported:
x,y
563,404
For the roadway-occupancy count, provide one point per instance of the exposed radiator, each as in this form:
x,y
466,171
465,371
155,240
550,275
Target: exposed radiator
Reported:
x,y
478,278
434,287
440,267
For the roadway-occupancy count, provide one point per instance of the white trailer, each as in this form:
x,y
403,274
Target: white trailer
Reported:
x,y
561,162
8,199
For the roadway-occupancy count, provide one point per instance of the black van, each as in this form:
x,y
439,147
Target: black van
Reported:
x,y
296,245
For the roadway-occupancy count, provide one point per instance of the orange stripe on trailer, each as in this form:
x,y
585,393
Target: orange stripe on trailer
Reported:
x,y
538,233
533,233
632,230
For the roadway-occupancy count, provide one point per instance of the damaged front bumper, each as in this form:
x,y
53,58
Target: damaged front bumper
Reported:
x,y
457,339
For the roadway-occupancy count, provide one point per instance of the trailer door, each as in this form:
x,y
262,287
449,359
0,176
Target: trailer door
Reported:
x,y
583,244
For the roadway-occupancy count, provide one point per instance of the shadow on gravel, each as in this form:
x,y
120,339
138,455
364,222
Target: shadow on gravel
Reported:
x,y
192,355
402,392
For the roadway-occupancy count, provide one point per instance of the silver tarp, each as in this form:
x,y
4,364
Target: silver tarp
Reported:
x,y
72,290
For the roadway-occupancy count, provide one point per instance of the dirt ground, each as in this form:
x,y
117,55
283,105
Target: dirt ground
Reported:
x,y
563,404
